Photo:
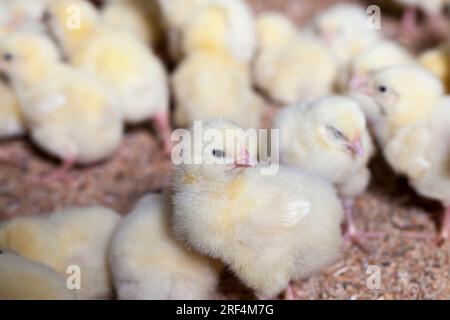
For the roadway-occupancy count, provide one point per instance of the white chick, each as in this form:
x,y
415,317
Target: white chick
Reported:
x,y
343,29
136,76
415,130
268,229
11,121
329,136
70,114
149,263
139,17
23,279
290,67
69,237
228,93
224,24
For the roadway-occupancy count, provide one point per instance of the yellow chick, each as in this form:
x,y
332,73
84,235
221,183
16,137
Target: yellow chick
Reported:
x,y
437,61
136,76
343,29
416,130
70,114
139,17
23,279
66,240
268,229
290,67
221,25
329,136
11,121
229,92
149,263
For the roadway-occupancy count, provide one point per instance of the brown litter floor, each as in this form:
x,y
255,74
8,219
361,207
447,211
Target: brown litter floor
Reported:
x,y
409,268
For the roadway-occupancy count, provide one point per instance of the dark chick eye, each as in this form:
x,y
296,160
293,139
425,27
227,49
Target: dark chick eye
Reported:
x,y
7,57
218,153
382,89
337,134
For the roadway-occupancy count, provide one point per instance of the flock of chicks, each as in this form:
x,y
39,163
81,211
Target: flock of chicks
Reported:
x,y
72,88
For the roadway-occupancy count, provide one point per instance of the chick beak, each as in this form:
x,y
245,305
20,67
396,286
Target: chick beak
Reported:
x,y
245,160
361,84
356,147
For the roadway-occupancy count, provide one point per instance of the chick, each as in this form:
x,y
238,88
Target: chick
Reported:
x,y
11,121
136,76
23,279
225,25
229,92
329,136
25,14
437,60
139,17
70,114
416,130
149,263
343,29
69,237
268,230
290,67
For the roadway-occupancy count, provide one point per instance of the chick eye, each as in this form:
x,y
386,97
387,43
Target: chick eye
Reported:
x,y
382,89
7,57
218,153
336,133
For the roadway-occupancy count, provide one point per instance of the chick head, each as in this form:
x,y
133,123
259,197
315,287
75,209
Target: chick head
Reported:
x,y
339,124
405,94
26,55
219,152
72,22
274,29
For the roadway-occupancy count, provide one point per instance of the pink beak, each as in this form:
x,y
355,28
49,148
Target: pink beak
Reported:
x,y
245,161
356,147
361,84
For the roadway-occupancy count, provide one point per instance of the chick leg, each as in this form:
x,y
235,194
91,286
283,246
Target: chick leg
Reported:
x,y
445,228
409,23
162,124
60,174
351,232
290,294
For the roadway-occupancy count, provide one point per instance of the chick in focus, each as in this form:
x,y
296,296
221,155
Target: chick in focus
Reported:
x,y
416,132
72,236
268,229
149,263
329,136
23,279
70,114
288,66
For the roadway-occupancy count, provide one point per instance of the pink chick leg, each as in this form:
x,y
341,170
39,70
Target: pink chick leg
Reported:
x,y
351,233
60,174
162,123
290,294
409,28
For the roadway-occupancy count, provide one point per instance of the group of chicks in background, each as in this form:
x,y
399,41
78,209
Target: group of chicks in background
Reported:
x,y
344,88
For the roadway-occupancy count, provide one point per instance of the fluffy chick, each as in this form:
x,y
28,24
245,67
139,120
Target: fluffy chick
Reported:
x,y
343,29
229,94
11,121
290,67
437,60
72,236
268,230
329,136
23,279
70,114
149,263
416,130
221,25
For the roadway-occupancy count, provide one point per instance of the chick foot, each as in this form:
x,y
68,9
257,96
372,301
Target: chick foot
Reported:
x,y
60,174
351,233
162,124
290,294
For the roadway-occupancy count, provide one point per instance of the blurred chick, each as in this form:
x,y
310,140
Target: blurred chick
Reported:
x,y
70,114
208,84
135,75
290,67
149,263
72,236
437,60
11,121
139,17
225,25
268,229
343,29
328,136
25,15
23,279
416,132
